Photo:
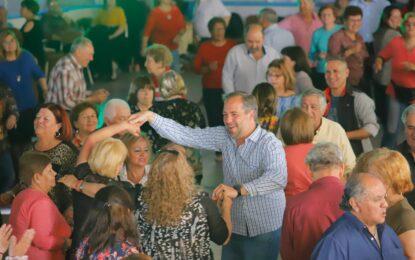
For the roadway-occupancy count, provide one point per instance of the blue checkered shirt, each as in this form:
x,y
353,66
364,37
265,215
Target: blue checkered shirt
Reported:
x,y
258,164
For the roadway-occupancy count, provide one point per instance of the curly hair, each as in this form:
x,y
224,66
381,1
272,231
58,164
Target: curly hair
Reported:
x,y
170,187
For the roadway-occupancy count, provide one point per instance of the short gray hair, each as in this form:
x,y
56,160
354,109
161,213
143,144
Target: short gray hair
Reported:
x,y
110,110
354,188
408,110
249,101
79,42
269,15
171,84
324,155
318,93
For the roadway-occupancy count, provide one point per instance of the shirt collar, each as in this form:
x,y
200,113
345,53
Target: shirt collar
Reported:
x,y
356,223
328,180
75,62
271,27
254,137
249,53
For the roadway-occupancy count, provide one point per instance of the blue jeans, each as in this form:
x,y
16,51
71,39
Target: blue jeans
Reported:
x,y
7,176
176,66
262,247
394,124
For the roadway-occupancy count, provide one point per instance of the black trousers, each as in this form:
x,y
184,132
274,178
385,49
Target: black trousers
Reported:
x,y
212,99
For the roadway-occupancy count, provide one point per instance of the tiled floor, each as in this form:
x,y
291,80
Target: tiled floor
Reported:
x,y
212,170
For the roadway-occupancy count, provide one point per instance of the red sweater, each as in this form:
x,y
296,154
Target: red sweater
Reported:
x,y
299,176
162,27
34,209
207,54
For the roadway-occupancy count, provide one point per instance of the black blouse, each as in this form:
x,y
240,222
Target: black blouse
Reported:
x,y
32,41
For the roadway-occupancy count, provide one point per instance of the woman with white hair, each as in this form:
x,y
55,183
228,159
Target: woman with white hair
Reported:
x,y
178,108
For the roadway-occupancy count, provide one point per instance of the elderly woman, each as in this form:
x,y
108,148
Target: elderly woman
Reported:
x,y
84,117
165,25
282,78
401,90
109,232
113,19
174,220
393,168
18,70
9,115
181,110
297,131
158,61
32,208
54,131
32,31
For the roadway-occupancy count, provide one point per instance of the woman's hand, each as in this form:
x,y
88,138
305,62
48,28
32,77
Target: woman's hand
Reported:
x,y
409,66
20,248
11,122
5,233
69,181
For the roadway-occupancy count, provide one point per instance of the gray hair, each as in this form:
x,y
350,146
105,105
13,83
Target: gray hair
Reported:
x,y
249,101
408,110
171,84
110,110
80,42
354,188
324,155
318,93
269,15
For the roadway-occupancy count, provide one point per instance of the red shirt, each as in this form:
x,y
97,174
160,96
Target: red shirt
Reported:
x,y
308,215
397,52
299,176
162,26
207,54
34,209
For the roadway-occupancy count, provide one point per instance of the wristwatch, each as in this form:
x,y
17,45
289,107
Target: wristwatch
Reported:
x,y
238,188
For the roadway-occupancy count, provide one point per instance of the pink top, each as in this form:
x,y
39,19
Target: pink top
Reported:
x,y
398,53
34,209
302,31
299,176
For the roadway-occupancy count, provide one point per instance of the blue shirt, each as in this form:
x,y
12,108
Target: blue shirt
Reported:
x,y
18,75
349,238
259,165
320,43
285,103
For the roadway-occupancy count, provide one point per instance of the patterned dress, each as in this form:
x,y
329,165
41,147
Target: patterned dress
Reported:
x,y
119,251
188,240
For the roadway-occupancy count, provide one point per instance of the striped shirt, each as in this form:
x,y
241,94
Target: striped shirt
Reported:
x,y
67,86
258,164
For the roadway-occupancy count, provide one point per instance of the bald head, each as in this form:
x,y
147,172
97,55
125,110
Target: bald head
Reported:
x,y
254,38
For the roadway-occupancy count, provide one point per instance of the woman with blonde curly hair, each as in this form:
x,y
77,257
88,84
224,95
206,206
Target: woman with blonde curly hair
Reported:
x,y
174,219
282,78
393,168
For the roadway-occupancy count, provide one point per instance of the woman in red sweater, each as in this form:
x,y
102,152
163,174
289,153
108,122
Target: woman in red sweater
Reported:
x,y
165,25
33,209
209,62
401,90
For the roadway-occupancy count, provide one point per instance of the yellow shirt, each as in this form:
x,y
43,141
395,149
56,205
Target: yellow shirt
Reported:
x,y
333,132
114,17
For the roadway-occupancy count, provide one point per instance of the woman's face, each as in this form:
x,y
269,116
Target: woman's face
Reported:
x,y
152,66
395,19
46,179
9,44
145,96
276,78
45,123
87,121
410,27
139,153
24,12
218,32
327,16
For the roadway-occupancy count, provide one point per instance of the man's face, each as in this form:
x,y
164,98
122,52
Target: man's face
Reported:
x,y
410,130
336,74
353,23
122,114
254,41
312,106
218,32
371,209
327,16
306,6
235,117
84,55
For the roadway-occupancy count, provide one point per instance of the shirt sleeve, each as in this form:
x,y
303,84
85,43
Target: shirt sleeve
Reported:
x,y
122,20
275,170
313,47
228,71
211,138
151,22
365,112
387,52
67,88
198,62
328,249
218,231
180,19
335,46
36,71
44,219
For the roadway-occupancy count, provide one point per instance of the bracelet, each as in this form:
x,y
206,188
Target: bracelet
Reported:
x,y
78,185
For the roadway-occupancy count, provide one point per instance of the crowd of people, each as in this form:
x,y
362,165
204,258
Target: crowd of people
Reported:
x,y
293,108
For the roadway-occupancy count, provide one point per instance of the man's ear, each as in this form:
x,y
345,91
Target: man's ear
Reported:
x,y
354,204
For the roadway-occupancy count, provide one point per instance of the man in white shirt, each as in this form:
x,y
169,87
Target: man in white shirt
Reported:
x,y
246,64
205,11
275,36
